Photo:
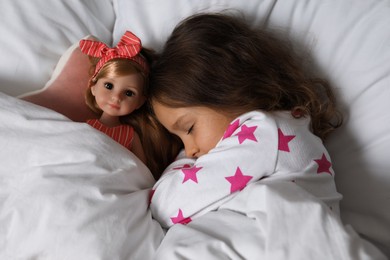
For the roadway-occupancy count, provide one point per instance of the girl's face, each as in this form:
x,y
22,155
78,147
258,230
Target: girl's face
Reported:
x,y
119,96
199,128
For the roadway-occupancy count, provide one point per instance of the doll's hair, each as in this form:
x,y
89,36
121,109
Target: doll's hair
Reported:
x,y
159,146
219,61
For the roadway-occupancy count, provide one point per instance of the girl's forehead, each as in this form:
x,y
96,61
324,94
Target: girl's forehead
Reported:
x,y
160,109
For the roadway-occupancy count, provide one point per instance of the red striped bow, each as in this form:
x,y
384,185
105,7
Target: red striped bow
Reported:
x,y
129,47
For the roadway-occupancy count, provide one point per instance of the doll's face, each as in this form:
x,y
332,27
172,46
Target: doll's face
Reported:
x,y
119,96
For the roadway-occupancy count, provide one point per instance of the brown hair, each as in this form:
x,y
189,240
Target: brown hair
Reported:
x,y
218,61
159,146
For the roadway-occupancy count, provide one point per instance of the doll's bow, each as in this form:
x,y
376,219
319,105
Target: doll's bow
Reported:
x,y
129,47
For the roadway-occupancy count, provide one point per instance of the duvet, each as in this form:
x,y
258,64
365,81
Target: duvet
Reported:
x,y
68,191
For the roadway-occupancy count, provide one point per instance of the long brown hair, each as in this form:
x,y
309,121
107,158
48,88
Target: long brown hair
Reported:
x,y
219,61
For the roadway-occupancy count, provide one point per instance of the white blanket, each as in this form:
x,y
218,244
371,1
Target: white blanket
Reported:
x,y
69,192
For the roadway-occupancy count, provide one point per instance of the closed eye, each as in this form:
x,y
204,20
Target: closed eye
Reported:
x,y
190,130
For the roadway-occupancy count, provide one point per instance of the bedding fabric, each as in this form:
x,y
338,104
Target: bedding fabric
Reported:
x,y
68,191
269,220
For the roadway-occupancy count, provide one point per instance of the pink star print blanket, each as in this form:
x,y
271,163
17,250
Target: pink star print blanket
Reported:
x,y
256,146
266,190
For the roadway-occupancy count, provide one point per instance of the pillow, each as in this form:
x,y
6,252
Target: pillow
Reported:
x,y
65,91
36,33
351,51
145,19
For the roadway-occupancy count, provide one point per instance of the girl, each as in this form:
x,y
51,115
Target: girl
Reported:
x,y
116,93
245,112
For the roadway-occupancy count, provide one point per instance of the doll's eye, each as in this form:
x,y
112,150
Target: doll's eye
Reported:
x,y
108,85
129,93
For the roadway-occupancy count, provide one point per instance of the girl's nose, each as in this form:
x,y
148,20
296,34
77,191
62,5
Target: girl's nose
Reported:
x,y
191,150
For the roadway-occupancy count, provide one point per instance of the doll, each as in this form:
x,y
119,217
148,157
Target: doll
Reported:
x,y
116,88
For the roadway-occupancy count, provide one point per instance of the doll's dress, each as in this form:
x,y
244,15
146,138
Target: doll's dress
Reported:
x,y
122,134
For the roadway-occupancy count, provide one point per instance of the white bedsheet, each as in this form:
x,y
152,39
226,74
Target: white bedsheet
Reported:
x,y
68,191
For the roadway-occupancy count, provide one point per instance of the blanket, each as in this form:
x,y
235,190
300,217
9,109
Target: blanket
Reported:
x,y
274,220
68,191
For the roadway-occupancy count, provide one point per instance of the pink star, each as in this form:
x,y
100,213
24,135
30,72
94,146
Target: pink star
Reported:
x,y
238,181
180,219
323,165
246,133
230,130
190,174
284,140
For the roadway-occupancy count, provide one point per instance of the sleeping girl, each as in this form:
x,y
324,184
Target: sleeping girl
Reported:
x,y
245,112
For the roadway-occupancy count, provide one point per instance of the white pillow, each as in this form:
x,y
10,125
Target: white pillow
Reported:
x,y
153,21
36,33
349,41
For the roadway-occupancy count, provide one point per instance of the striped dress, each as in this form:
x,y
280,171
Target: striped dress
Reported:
x,y
123,134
